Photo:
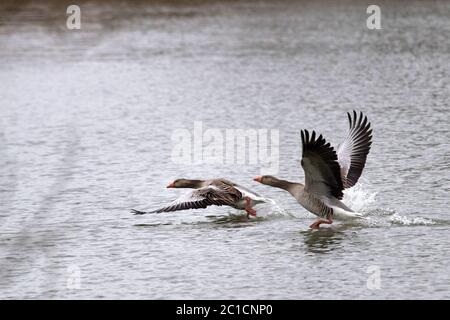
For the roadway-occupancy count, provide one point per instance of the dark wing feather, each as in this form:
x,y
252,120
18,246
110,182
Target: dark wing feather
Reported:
x,y
322,171
352,153
220,194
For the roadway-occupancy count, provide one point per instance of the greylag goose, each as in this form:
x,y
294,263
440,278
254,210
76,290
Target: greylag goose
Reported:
x,y
219,192
328,173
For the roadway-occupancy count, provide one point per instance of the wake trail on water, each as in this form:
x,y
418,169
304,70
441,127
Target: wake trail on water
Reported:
x,y
361,199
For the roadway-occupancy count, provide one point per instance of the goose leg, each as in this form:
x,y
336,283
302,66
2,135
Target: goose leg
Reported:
x,y
248,208
319,221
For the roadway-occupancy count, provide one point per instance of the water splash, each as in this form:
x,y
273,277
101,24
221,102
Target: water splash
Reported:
x,y
273,210
406,221
359,198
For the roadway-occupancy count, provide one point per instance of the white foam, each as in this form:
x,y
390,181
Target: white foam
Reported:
x,y
403,220
359,198
267,210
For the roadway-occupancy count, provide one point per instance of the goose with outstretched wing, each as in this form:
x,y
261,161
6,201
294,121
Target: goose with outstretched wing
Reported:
x,y
327,172
213,192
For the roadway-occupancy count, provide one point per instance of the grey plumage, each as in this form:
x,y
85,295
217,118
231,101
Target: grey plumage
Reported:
x,y
352,153
218,192
319,162
327,172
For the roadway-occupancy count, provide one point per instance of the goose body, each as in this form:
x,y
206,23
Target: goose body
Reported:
x,y
206,193
328,173
255,197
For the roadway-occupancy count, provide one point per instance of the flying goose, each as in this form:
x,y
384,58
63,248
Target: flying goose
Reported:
x,y
219,192
328,173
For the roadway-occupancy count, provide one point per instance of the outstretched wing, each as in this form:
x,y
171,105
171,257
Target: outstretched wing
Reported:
x,y
322,171
201,198
352,153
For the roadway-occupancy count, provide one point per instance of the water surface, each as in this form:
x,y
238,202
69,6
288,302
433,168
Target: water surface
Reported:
x,y
86,123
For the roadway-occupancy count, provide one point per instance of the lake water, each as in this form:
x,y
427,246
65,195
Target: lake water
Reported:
x,y
87,118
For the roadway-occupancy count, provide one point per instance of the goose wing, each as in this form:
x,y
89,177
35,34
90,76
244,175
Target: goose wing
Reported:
x,y
352,153
319,162
218,194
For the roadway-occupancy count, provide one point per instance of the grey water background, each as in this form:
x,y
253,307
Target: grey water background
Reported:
x,y
86,123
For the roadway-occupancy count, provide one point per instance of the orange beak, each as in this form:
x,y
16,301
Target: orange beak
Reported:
x,y
171,185
257,178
